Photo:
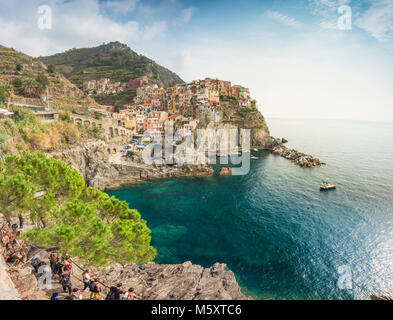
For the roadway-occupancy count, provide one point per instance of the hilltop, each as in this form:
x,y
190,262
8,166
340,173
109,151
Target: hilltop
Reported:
x,y
28,78
114,61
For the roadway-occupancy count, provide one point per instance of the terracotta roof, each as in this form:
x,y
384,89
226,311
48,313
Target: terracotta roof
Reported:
x,y
174,116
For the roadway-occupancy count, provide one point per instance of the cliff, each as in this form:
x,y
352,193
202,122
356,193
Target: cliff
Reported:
x,y
94,163
7,287
151,281
176,282
17,280
230,116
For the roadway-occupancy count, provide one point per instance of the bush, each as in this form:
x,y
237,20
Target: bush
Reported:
x,y
42,80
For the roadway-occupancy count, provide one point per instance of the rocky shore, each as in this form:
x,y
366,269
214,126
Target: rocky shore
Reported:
x,y
299,158
151,281
185,281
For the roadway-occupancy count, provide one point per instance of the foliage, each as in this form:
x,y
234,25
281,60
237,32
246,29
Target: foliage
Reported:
x,y
42,80
3,98
18,67
30,87
5,91
78,220
44,136
3,135
51,68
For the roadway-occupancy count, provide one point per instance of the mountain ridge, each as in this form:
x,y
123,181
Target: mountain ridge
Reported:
x,y
114,60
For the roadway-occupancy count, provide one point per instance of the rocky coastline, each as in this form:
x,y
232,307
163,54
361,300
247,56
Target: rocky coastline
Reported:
x,y
100,171
299,158
151,281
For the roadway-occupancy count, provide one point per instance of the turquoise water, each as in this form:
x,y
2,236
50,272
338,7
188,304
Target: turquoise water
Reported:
x,y
259,224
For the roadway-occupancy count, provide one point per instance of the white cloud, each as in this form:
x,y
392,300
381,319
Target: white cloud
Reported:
x,y
378,20
184,17
121,6
327,10
155,30
75,24
288,21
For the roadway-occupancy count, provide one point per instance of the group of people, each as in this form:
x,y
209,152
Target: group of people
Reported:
x,y
63,268
12,249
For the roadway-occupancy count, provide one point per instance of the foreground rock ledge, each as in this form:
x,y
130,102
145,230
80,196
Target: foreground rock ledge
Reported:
x,y
185,281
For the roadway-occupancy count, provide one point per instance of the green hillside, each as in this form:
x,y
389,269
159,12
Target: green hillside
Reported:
x,y
27,79
113,60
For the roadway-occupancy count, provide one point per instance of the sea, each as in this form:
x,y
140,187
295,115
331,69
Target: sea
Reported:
x,y
275,230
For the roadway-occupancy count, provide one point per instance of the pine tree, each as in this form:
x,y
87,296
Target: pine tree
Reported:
x,y
75,219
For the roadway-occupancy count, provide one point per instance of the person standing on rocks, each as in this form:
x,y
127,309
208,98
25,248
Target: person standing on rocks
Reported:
x,y
95,289
130,295
67,285
86,279
20,221
53,259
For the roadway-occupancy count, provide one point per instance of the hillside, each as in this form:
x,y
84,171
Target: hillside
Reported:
x,y
27,78
113,60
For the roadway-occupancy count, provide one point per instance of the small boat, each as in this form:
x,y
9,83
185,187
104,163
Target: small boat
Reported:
x,y
254,158
328,186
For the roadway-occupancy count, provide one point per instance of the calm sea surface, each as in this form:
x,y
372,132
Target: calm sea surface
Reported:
x,y
259,224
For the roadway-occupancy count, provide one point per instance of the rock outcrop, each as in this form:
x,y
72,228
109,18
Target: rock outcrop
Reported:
x,y
230,116
225,171
93,163
297,157
17,280
7,287
26,283
186,281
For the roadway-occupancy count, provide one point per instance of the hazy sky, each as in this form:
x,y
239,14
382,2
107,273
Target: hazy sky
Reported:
x,y
294,55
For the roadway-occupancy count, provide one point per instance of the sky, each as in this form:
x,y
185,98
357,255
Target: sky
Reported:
x,y
325,59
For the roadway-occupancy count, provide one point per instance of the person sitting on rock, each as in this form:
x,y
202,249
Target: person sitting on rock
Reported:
x,y
55,296
76,294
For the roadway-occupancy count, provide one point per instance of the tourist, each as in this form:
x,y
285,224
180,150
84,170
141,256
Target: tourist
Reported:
x,y
35,262
130,295
66,268
95,289
20,221
76,294
67,285
55,296
115,293
86,279
53,259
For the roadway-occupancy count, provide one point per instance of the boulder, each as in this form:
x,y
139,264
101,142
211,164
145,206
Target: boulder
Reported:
x,y
225,171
